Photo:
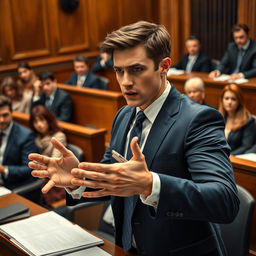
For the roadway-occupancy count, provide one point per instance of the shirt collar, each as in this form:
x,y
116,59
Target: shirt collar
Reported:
x,y
8,129
153,109
245,47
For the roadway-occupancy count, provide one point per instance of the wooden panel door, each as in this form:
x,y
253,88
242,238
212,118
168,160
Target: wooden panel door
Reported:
x,y
26,29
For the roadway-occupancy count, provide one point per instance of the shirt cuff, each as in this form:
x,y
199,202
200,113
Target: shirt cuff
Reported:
x,y
241,75
153,198
76,193
36,98
6,172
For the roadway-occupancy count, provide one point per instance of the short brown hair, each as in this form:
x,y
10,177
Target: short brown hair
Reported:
x,y
81,58
239,27
154,37
5,101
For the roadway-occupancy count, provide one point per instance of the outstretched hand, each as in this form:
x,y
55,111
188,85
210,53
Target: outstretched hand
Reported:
x,y
119,179
58,170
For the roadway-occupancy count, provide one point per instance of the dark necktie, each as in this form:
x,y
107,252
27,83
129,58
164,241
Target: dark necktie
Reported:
x,y
240,56
1,137
48,102
129,201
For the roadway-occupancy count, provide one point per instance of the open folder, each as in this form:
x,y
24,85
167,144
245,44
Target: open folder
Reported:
x,y
48,234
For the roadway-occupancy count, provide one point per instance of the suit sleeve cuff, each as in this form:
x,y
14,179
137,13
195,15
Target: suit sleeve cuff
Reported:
x,y
153,198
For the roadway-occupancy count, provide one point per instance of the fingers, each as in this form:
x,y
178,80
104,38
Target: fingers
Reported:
x,y
40,159
40,174
135,148
50,184
37,166
58,145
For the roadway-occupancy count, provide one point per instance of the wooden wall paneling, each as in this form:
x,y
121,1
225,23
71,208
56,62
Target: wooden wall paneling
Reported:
x,y
247,15
69,31
175,15
142,10
28,29
104,17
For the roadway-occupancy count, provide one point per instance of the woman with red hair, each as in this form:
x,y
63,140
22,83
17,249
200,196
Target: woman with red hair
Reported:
x,y
240,126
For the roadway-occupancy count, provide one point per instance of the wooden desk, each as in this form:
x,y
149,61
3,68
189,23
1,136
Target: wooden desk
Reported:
x,y
94,107
91,141
213,88
7,248
245,175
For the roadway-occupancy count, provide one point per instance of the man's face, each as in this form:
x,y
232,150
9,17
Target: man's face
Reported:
x,y
24,74
48,86
5,117
193,47
140,83
80,67
195,94
240,38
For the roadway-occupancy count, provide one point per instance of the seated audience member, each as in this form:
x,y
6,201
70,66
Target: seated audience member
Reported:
x,y
194,88
26,80
240,58
195,59
55,99
83,77
45,126
103,62
10,89
240,125
16,142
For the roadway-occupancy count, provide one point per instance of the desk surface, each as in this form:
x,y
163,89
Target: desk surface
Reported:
x,y
7,248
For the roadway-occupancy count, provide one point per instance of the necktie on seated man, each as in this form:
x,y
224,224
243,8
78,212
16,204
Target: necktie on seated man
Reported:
x,y
48,102
240,56
129,201
1,138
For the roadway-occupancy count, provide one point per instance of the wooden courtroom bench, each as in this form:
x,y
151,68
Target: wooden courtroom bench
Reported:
x,y
93,107
213,89
245,176
91,141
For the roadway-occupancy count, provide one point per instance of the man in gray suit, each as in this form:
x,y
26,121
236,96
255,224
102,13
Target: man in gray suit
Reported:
x,y
177,180
240,58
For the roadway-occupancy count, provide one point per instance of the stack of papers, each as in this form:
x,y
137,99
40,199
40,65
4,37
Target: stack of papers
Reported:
x,y
222,77
239,81
4,191
174,71
48,234
249,156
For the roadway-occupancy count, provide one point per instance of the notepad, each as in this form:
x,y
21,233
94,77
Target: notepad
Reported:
x,y
13,212
48,234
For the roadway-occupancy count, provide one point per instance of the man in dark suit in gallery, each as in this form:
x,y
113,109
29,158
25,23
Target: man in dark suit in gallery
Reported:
x,y
83,77
240,58
177,180
55,99
16,142
195,60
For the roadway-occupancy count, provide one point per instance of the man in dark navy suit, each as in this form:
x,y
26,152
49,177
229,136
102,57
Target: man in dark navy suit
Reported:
x,y
240,58
55,99
83,77
194,60
16,142
177,180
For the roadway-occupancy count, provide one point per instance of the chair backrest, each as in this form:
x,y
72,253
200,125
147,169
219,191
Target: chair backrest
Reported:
x,y
236,235
104,82
77,151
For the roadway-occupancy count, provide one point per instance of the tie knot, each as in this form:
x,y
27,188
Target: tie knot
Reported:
x,y
140,117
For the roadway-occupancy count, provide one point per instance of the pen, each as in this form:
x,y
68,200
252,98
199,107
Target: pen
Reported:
x,y
119,158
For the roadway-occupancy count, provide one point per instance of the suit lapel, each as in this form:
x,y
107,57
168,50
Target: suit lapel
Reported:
x,y
10,142
123,130
162,124
246,54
